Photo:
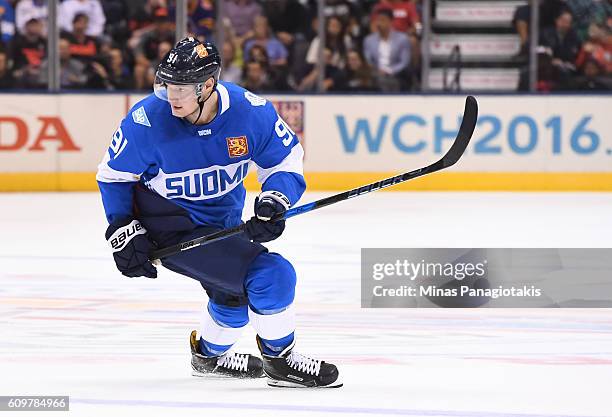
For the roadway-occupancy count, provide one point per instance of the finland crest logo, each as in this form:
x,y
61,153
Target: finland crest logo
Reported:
x,y
140,116
237,147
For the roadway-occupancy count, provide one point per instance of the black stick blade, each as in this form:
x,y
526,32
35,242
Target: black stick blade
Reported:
x,y
468,124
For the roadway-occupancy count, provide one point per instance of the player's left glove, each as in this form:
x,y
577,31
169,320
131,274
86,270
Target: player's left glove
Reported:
x,y
267,205
131,246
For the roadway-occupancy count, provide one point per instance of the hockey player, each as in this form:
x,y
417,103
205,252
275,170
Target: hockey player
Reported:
x,y
174,171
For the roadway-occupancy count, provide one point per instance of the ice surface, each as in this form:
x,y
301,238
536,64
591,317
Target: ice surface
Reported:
x,y
71,325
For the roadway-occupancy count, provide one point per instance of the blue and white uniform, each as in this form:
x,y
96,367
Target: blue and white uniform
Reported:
x,y
201,168
192,164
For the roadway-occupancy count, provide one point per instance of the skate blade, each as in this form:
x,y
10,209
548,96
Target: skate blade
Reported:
x,y
287,384
212,375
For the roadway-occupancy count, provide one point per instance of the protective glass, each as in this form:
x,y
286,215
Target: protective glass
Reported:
x,y
174,92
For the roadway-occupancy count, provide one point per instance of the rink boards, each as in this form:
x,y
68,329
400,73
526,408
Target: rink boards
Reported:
x,y
55,142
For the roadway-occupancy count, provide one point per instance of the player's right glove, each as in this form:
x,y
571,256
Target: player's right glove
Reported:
x,y
131,246
260,228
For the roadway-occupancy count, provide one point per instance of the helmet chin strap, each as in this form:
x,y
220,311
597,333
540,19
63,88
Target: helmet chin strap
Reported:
x,y
201,105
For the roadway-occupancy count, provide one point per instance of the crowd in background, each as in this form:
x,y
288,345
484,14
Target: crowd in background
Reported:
x,y
272,45
268,45
574,47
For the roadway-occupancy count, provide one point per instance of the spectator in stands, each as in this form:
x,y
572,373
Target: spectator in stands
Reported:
x,y
88,50
97,76
405,16
521,22
563,41
202,16
92,8
598,47
350,12
27,10
147,50
343,9
7,21
241,15
116,77
29,50
140,13
406,19
549,10
287,19
116,26
119,74
586,12
162,30
162,49
230,72
276,51
260,54
358,73
83,47
230,36
548,74
6,78
593,77
336,40
333,78
256,78
141,19
276,75
388,52
72,71
140,74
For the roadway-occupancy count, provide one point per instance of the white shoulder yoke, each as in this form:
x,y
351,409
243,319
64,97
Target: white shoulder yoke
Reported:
x,y
224,96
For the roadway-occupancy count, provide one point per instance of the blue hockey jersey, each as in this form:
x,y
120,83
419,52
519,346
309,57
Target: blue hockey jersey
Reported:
x,y
201,167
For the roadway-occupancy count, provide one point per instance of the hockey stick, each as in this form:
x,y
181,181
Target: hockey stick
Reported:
x,y
466,130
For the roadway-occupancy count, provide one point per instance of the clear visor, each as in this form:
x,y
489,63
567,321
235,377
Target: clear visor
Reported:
x,y
174,92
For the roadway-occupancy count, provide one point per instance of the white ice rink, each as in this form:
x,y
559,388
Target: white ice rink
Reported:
x,y
70,324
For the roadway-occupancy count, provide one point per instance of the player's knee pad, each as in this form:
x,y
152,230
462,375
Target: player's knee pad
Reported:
x,y
270,283
228,316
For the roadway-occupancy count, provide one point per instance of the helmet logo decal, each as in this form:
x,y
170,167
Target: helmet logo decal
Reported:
x,y
172,58
201,51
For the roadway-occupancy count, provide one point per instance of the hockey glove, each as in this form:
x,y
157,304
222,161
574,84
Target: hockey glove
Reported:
x,y
267,205
131,247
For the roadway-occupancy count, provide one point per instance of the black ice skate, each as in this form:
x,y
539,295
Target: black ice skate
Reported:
x,y
290,369
231,364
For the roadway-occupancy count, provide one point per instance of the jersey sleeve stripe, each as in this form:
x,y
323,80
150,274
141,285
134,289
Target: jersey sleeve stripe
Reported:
x,y
291,163
108,174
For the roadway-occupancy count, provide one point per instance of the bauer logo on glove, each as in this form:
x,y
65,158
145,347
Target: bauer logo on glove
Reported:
x,y
131,247
124,234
